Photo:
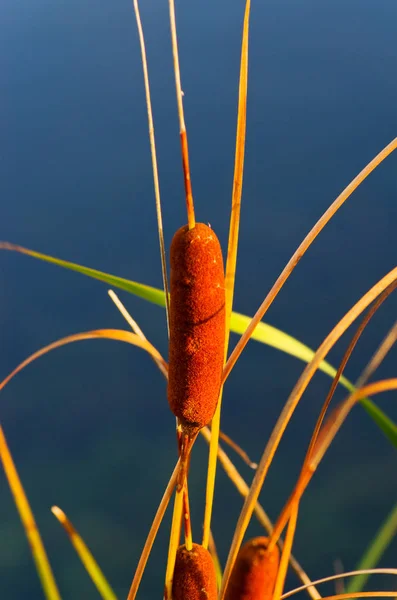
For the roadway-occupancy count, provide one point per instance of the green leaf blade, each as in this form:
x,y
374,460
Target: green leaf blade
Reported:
x,y
141,290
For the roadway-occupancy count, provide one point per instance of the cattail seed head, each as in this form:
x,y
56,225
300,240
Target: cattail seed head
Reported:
x,y
254,573
194,575
197,325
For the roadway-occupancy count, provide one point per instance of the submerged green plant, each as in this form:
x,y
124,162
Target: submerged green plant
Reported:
x,y
328,424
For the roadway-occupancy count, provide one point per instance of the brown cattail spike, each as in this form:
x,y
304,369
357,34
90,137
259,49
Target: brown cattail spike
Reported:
x,y
254,573
197,326
194,575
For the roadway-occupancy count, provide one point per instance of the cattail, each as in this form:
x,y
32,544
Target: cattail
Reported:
x,y
197,326
194,575
254,573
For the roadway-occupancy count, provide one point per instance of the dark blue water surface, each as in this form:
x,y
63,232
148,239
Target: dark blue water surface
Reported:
x,y
89,424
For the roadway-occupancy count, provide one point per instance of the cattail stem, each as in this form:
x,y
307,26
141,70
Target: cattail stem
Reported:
x,y
182,126
186,517
174,542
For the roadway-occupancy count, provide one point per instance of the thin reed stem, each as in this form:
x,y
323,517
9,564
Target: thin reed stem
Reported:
x,y
339,415
380,354
238,450
162,365
154,161
286,553
152,533
302,248
361,595
230,263
357,573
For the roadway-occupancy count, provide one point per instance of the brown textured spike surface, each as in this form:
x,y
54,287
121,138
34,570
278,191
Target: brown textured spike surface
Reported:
x,y
254,573
197,325
194,575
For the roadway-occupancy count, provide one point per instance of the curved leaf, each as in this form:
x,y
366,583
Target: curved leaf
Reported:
x,y
110,334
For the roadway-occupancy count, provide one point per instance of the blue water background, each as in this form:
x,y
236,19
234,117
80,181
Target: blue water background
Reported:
x,y
89,424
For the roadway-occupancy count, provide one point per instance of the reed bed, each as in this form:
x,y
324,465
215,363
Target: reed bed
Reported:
x,y
138,454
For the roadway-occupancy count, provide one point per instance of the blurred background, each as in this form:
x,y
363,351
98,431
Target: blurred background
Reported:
x,y
89,424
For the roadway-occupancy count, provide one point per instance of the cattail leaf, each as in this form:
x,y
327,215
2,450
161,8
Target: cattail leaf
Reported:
x,y
375,551
85,555
43,567
264,333
146,292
